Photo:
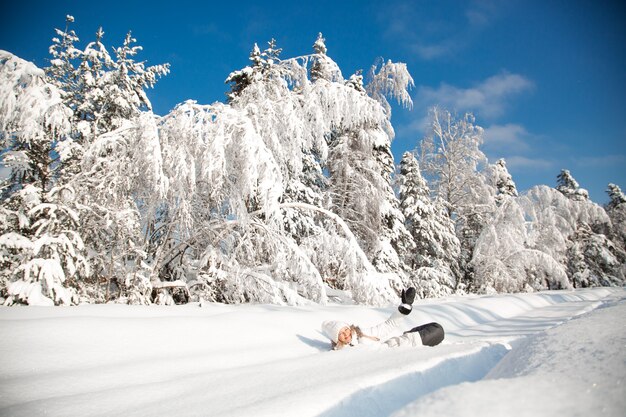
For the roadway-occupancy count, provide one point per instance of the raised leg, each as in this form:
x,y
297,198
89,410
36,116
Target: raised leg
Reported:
x,y
432,333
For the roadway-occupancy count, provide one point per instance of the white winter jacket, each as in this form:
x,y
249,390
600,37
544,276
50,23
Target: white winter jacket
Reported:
x,y
389,333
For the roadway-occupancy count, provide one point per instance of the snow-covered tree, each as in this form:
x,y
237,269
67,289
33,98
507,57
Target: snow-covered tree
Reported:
x,y
322,67
569,186
356,81
123,183
507,259
594,260
437,248
360,165
503,181
396,243
112,158
572,232
554,218
258,165
389,80
616,209
265,65
455,167
62,69
41,251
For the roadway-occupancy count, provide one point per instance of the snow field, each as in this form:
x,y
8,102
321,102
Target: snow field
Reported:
x,y
263,360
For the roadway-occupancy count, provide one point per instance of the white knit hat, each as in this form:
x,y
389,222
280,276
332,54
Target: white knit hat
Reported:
x,y
332,328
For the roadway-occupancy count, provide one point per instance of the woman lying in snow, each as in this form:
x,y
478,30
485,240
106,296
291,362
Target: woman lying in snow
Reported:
x,y
342,334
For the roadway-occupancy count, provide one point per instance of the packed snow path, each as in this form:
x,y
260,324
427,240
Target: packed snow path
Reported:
x,y
260,360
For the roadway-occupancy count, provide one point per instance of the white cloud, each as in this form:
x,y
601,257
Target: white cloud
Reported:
x,y
488,98
432,51
522,162
509,137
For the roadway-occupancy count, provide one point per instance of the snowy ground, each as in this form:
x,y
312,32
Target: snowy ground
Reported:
x,y
546,354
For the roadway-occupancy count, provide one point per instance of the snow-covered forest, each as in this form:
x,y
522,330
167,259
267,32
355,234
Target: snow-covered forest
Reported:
x,y
284,193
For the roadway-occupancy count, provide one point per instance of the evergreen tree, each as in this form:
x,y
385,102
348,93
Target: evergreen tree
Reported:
x,y
129,80
112,159
41,250
356,81
503,182
396,243
62,70
240,79
96,63
616,195
437,248
616,209
264,65
567,185
322,67
594,260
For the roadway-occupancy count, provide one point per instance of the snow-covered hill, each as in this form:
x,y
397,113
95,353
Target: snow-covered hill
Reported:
x,y
553,353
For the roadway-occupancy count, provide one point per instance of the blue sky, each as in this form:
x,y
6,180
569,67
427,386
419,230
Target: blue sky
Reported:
x,y
546,79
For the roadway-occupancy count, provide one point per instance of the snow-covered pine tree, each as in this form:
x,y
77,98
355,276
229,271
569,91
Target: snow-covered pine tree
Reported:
x,y
240,79
126,91
616,209
593,260
567,185
62,69
455,167
616,195
503,181
116,170
437,249
41,250
396,244
322,67
95,63
63,73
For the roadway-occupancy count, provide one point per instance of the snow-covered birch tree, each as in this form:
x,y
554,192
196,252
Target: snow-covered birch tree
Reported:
x,y
456,168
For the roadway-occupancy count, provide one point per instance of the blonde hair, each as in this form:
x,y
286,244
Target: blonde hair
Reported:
x,y
359,334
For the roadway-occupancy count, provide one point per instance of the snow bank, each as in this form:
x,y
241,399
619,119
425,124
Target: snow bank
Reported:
x,y
577,369
262,360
